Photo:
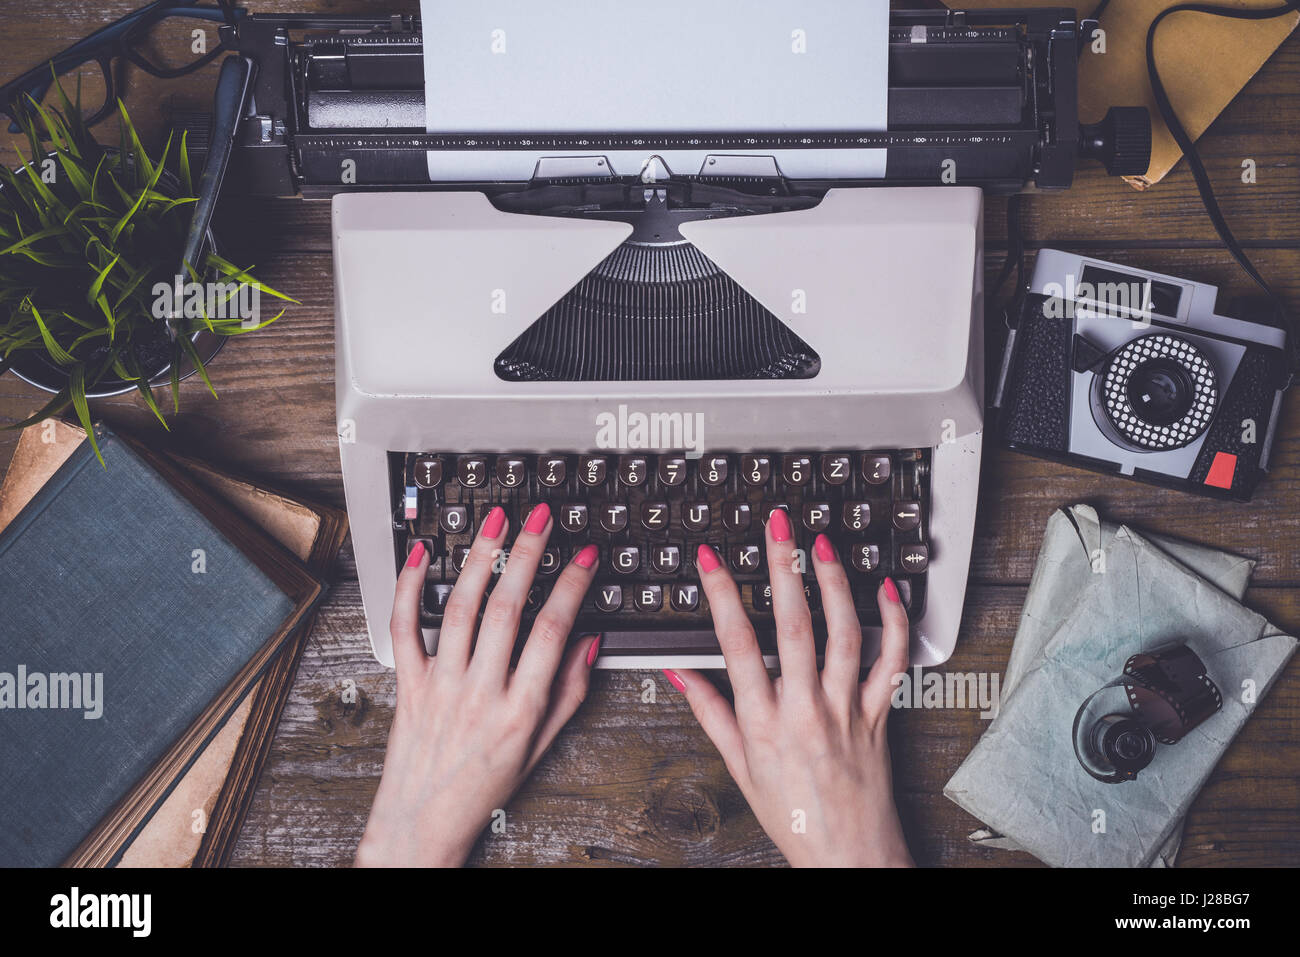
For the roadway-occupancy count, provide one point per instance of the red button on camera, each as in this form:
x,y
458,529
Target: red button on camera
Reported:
x,y
1221,472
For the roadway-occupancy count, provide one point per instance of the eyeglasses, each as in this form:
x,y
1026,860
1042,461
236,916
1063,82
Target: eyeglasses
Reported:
x,y
109,47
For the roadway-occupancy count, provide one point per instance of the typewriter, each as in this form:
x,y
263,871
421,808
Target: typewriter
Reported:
x,y
671,321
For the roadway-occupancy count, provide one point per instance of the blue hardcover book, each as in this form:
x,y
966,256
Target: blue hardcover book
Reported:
x,y
135,612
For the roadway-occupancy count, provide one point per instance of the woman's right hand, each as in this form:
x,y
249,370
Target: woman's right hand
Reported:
x,y
808,749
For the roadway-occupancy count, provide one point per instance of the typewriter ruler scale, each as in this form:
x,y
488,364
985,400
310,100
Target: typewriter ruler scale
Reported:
x,y
650,141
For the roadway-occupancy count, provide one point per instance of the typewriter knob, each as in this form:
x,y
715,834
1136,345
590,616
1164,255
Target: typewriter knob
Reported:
x,y
1121,141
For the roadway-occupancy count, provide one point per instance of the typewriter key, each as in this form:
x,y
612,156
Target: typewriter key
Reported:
x,y
755,469
836,469
510,471
856,516
472,470
816,516
672,471
713,471
876,469
736,516
454,519
428,471
609,597
666,559
551,471
613,517
914,558
654,515
744,558
865,558
459,556
907,515
632,470
648,597
573,517
592,470
684,597
796,469
436,595
626,559
696,516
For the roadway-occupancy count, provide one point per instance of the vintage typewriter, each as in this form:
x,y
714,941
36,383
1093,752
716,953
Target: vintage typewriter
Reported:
x,y
661,319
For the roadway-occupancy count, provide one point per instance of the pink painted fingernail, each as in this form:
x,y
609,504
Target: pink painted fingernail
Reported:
x,y
495,521
891,590
537,519
824,549
675,680
416,556
587,557
594,650
779,524
706,558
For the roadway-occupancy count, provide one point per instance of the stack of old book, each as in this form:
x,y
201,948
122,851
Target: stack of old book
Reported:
x,y
152,614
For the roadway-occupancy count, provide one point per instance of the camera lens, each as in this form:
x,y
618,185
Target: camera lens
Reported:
x,y
1160,391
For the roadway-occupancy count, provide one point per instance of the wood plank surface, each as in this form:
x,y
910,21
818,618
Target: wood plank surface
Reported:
x,y
633,780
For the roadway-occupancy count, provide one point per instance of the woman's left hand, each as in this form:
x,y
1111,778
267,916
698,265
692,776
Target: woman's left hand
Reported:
x,y
469,728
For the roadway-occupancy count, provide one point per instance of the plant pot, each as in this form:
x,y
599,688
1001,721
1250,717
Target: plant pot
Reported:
x,y
38,369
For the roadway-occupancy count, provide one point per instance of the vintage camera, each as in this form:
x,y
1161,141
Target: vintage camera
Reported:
x,y
1132,372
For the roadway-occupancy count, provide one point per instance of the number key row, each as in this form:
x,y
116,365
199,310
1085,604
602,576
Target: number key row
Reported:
x,y
754,469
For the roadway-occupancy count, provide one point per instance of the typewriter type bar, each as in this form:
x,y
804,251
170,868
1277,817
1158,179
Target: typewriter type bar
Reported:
x,y
649,512
992,91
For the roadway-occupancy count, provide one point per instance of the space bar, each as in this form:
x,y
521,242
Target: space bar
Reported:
x,y
646,642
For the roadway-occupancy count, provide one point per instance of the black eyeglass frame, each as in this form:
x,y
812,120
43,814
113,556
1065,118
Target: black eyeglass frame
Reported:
x,y
108,47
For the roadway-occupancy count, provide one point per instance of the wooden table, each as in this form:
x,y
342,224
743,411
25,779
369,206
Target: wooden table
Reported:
x,y
635,781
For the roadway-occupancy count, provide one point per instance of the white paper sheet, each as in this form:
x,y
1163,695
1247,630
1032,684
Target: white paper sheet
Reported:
x,y
726,66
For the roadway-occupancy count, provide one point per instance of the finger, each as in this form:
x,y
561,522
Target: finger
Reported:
x,y
567,694
794,633
879,686
843,659
460,617
731,625
500,627
404,626
546,642
716,716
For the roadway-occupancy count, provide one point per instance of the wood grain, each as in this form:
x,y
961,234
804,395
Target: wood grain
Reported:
x,y
634,781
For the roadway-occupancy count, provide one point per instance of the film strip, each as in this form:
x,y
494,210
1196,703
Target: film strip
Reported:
x,y
1170,691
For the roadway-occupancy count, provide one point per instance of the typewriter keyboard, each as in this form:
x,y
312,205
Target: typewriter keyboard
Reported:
x,y
648,513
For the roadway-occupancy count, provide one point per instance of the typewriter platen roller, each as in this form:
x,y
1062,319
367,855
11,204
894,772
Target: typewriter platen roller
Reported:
x,y
993,92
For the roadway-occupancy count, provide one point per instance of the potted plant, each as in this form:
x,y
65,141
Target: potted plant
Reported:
x,y
91,303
